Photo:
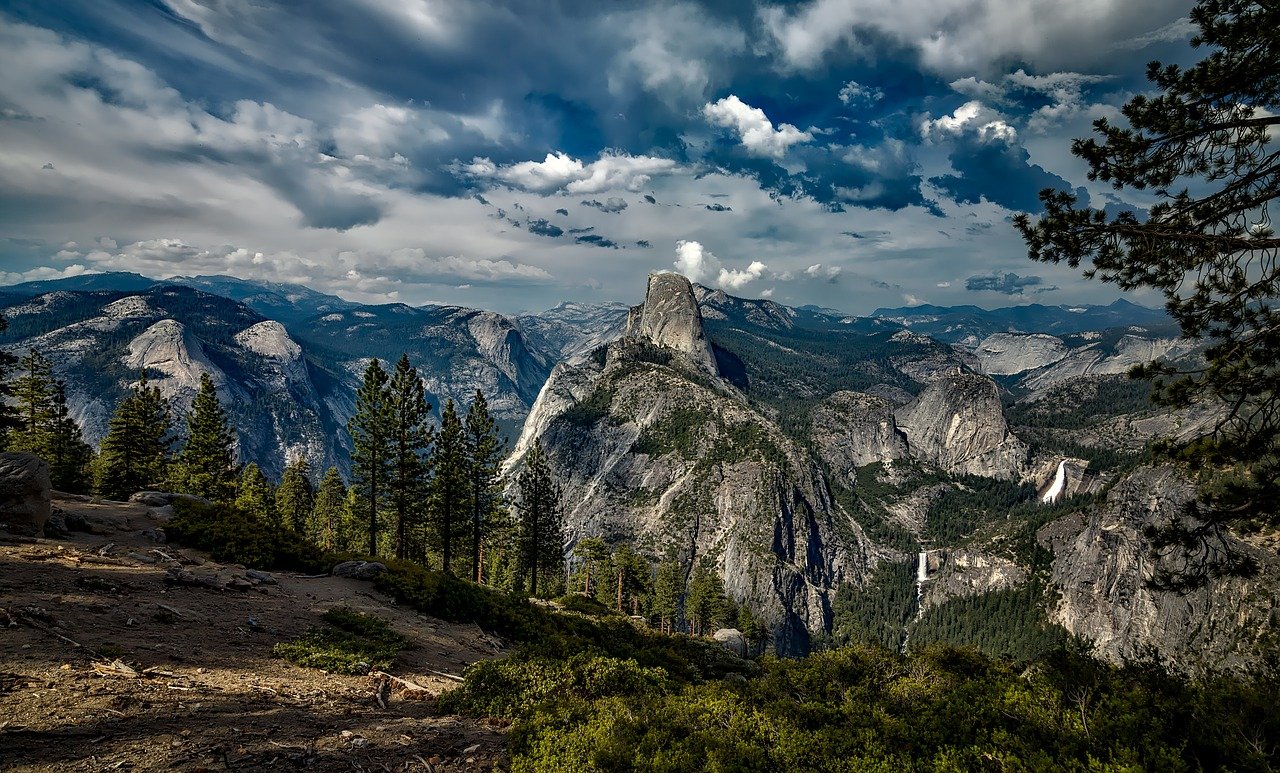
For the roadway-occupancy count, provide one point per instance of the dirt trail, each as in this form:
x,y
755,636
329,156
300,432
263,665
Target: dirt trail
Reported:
x,y
206,693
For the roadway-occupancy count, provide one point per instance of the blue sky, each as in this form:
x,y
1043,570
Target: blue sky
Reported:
x,y
849,153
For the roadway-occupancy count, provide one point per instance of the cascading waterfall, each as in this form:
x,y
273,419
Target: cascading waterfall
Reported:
x,y
922,576
1059,483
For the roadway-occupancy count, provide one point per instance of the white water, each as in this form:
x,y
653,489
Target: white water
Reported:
x,y
1059,483
922,576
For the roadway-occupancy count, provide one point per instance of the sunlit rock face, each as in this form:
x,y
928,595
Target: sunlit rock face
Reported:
x,y
958,423
669,317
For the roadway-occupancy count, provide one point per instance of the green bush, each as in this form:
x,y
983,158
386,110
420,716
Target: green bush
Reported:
x,y
585,605
355,644
232,535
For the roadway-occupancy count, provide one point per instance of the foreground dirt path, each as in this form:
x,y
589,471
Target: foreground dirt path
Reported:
x,y
104,665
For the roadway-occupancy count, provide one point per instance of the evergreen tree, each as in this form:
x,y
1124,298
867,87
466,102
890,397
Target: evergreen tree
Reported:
x,y
295,499
592,552
8,414
135,453
706,603
410,438
668,587
34,392
256,495
449,487
206,465
329,515
1203,149
541,537
69,457
370,430
484,456
631,578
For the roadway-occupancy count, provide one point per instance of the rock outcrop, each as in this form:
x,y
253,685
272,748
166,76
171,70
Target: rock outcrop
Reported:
x,y
961,572
853,429
957,423
1103,563
1002,354
670,318
25,500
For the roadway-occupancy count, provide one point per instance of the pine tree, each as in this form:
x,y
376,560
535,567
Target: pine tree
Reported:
x,y
370,430
541,521
449,486
34,393
256,496
484,456
592,552
1203,150
69,457
135,453
295,499
329,514
631,575
410,438
706,604
8,414
206,466
668,587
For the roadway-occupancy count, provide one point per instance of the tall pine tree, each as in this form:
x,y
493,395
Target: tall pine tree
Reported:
x,y
668,587
449,489
371,429
541,521
69,457
411,435
328,516
256,495
485,450
8,414
34,392
135,453
295,499
206,465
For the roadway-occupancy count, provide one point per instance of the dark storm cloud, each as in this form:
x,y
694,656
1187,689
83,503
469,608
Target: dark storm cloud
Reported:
x,y
1007,284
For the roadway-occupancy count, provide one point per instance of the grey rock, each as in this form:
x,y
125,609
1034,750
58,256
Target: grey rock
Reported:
x,y
958,423
732,640
359,570
670,317
25,503
150,498
959,573
852,429
62,523
1102,565
155,535
263,577
1003,354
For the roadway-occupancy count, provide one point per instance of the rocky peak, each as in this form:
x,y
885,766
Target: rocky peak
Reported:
x,y
958,424
670,317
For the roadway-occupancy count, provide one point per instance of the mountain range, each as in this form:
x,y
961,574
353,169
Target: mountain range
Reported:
x,y
895,477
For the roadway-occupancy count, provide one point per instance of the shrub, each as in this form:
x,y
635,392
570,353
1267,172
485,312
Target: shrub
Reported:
x,y
232,535
355,643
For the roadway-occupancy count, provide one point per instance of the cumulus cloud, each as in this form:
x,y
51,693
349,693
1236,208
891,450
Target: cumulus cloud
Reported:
x,y
561,172
973,118
754,129
829,273
953,36
1006,284
855,93
699,265
1063,90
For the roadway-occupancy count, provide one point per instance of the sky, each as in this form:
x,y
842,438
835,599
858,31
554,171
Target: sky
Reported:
x,y
847,153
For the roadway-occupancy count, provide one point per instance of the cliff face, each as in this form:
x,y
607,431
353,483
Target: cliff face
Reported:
x,y
654,450
670,318
1103,562
853,429
957,423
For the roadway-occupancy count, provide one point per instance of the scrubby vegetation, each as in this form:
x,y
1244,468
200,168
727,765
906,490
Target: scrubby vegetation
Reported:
x,y
234,535
355,643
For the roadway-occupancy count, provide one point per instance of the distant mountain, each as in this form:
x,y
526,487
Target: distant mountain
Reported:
x,y
970,324
123,281
570,329
286,303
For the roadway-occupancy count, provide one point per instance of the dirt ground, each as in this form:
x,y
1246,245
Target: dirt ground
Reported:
x,y
104,665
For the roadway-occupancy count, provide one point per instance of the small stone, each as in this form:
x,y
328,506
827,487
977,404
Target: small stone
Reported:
x,y
471,749
263,577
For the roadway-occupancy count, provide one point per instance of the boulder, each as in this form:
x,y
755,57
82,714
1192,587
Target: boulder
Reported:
x,y
165,499
62,522
25,502
732,640
359,570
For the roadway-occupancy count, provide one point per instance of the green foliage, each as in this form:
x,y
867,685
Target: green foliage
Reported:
x,y
936,709
584,605
329,514
678,431
135,452
706,605
878,612
588,412
295,497
1009,623
1202,142
973,502
541,530
370,428
484,453
450,488
1082,402
232,535
205,466
355,643
34,393
256,495
410,436
8,413
70,458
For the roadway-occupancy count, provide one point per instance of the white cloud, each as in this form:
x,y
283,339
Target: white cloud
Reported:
x,y
853,91
768,293
973,118
955,36
699,264
670,50
1064,90
45,272
754,129
560,171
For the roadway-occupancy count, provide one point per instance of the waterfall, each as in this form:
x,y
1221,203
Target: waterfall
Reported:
x,y
1059,483
922,568
922,576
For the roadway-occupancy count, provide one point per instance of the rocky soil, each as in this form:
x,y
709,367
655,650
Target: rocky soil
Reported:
x,y
107,664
